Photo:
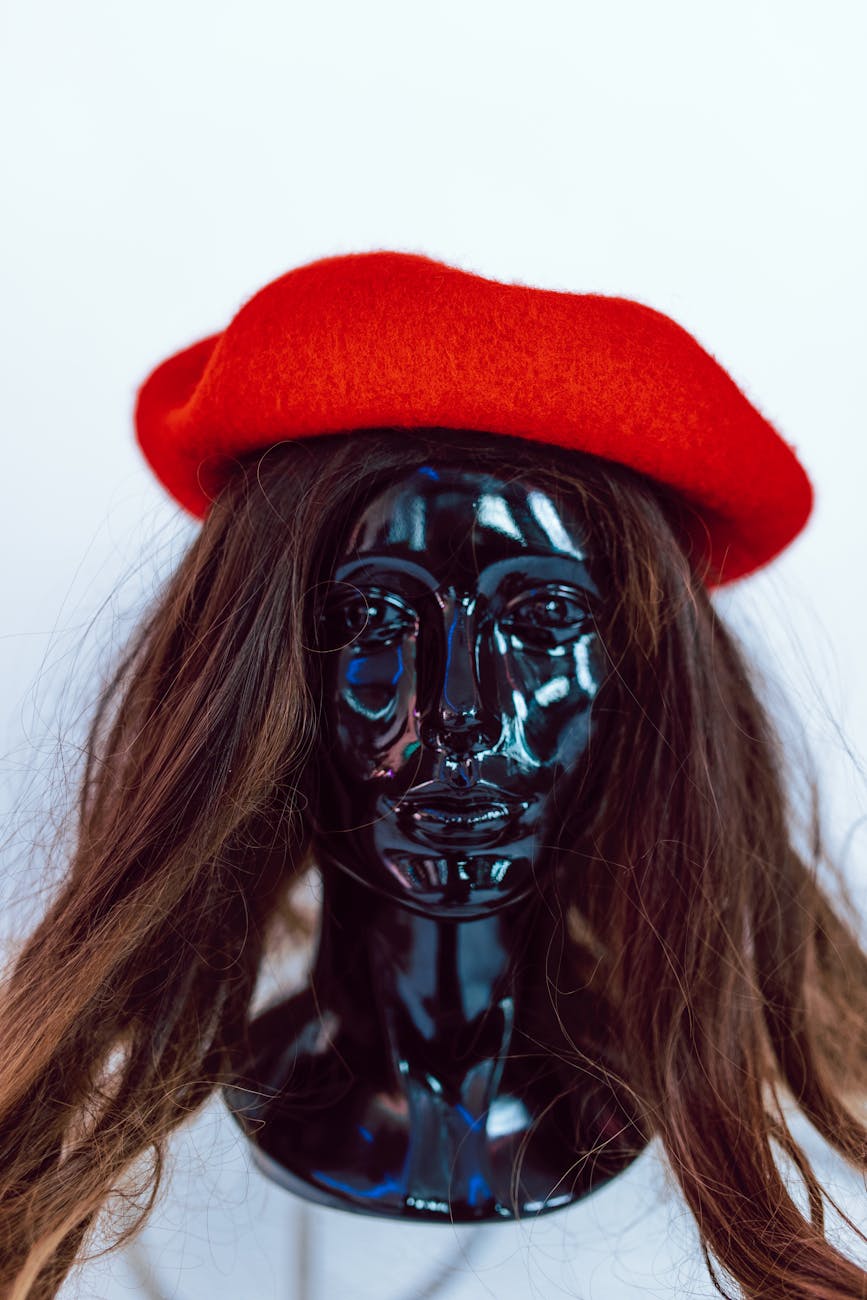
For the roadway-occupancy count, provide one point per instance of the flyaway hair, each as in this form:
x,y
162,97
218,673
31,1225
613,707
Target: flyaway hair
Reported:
x,y
730,978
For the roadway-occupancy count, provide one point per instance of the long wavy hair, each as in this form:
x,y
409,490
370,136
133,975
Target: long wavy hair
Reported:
x,y
686,893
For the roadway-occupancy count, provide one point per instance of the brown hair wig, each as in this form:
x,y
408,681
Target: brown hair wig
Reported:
x,y
731,977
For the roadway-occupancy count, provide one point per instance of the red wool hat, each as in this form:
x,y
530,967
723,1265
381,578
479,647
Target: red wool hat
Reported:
x,y
386,339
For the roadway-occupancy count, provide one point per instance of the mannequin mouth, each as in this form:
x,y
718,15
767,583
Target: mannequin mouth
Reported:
x,y
446,817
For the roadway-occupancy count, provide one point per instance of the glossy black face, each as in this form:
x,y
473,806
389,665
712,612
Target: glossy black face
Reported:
x,y
461,664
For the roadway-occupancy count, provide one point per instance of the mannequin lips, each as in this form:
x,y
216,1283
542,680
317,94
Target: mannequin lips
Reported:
x,y
437,813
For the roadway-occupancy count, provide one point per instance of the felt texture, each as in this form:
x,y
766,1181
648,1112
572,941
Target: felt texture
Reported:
x,y
388,339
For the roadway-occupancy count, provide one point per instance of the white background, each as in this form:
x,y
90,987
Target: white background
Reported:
x,y
163,161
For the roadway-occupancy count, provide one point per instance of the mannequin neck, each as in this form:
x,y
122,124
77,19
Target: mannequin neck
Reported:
x,y
445,989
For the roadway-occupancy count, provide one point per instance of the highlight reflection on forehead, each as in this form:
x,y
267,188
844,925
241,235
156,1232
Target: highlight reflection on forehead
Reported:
x,y
408,523
494,513
434,507
551,524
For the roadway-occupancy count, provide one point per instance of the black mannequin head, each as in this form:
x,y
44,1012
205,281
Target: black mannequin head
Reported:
x,y
462,662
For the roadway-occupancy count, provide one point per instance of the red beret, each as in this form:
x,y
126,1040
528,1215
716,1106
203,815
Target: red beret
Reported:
x,y
393,339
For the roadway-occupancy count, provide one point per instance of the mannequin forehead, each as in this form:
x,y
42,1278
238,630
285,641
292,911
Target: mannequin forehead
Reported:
x,y
467,515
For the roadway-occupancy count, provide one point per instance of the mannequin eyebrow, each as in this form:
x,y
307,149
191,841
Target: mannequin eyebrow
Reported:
x,y
549,566
355,568
568,570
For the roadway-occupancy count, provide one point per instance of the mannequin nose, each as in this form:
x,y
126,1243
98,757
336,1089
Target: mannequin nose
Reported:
x,y
457,724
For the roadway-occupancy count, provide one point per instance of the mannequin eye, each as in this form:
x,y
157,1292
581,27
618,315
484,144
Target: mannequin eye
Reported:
x,y
547,615
368,618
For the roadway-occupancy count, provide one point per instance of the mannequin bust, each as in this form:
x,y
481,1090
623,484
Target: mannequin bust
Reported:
x,y
462,664
447,633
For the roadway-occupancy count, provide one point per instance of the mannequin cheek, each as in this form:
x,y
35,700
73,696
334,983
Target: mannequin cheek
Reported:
x,y
549,696
375,705
558,732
